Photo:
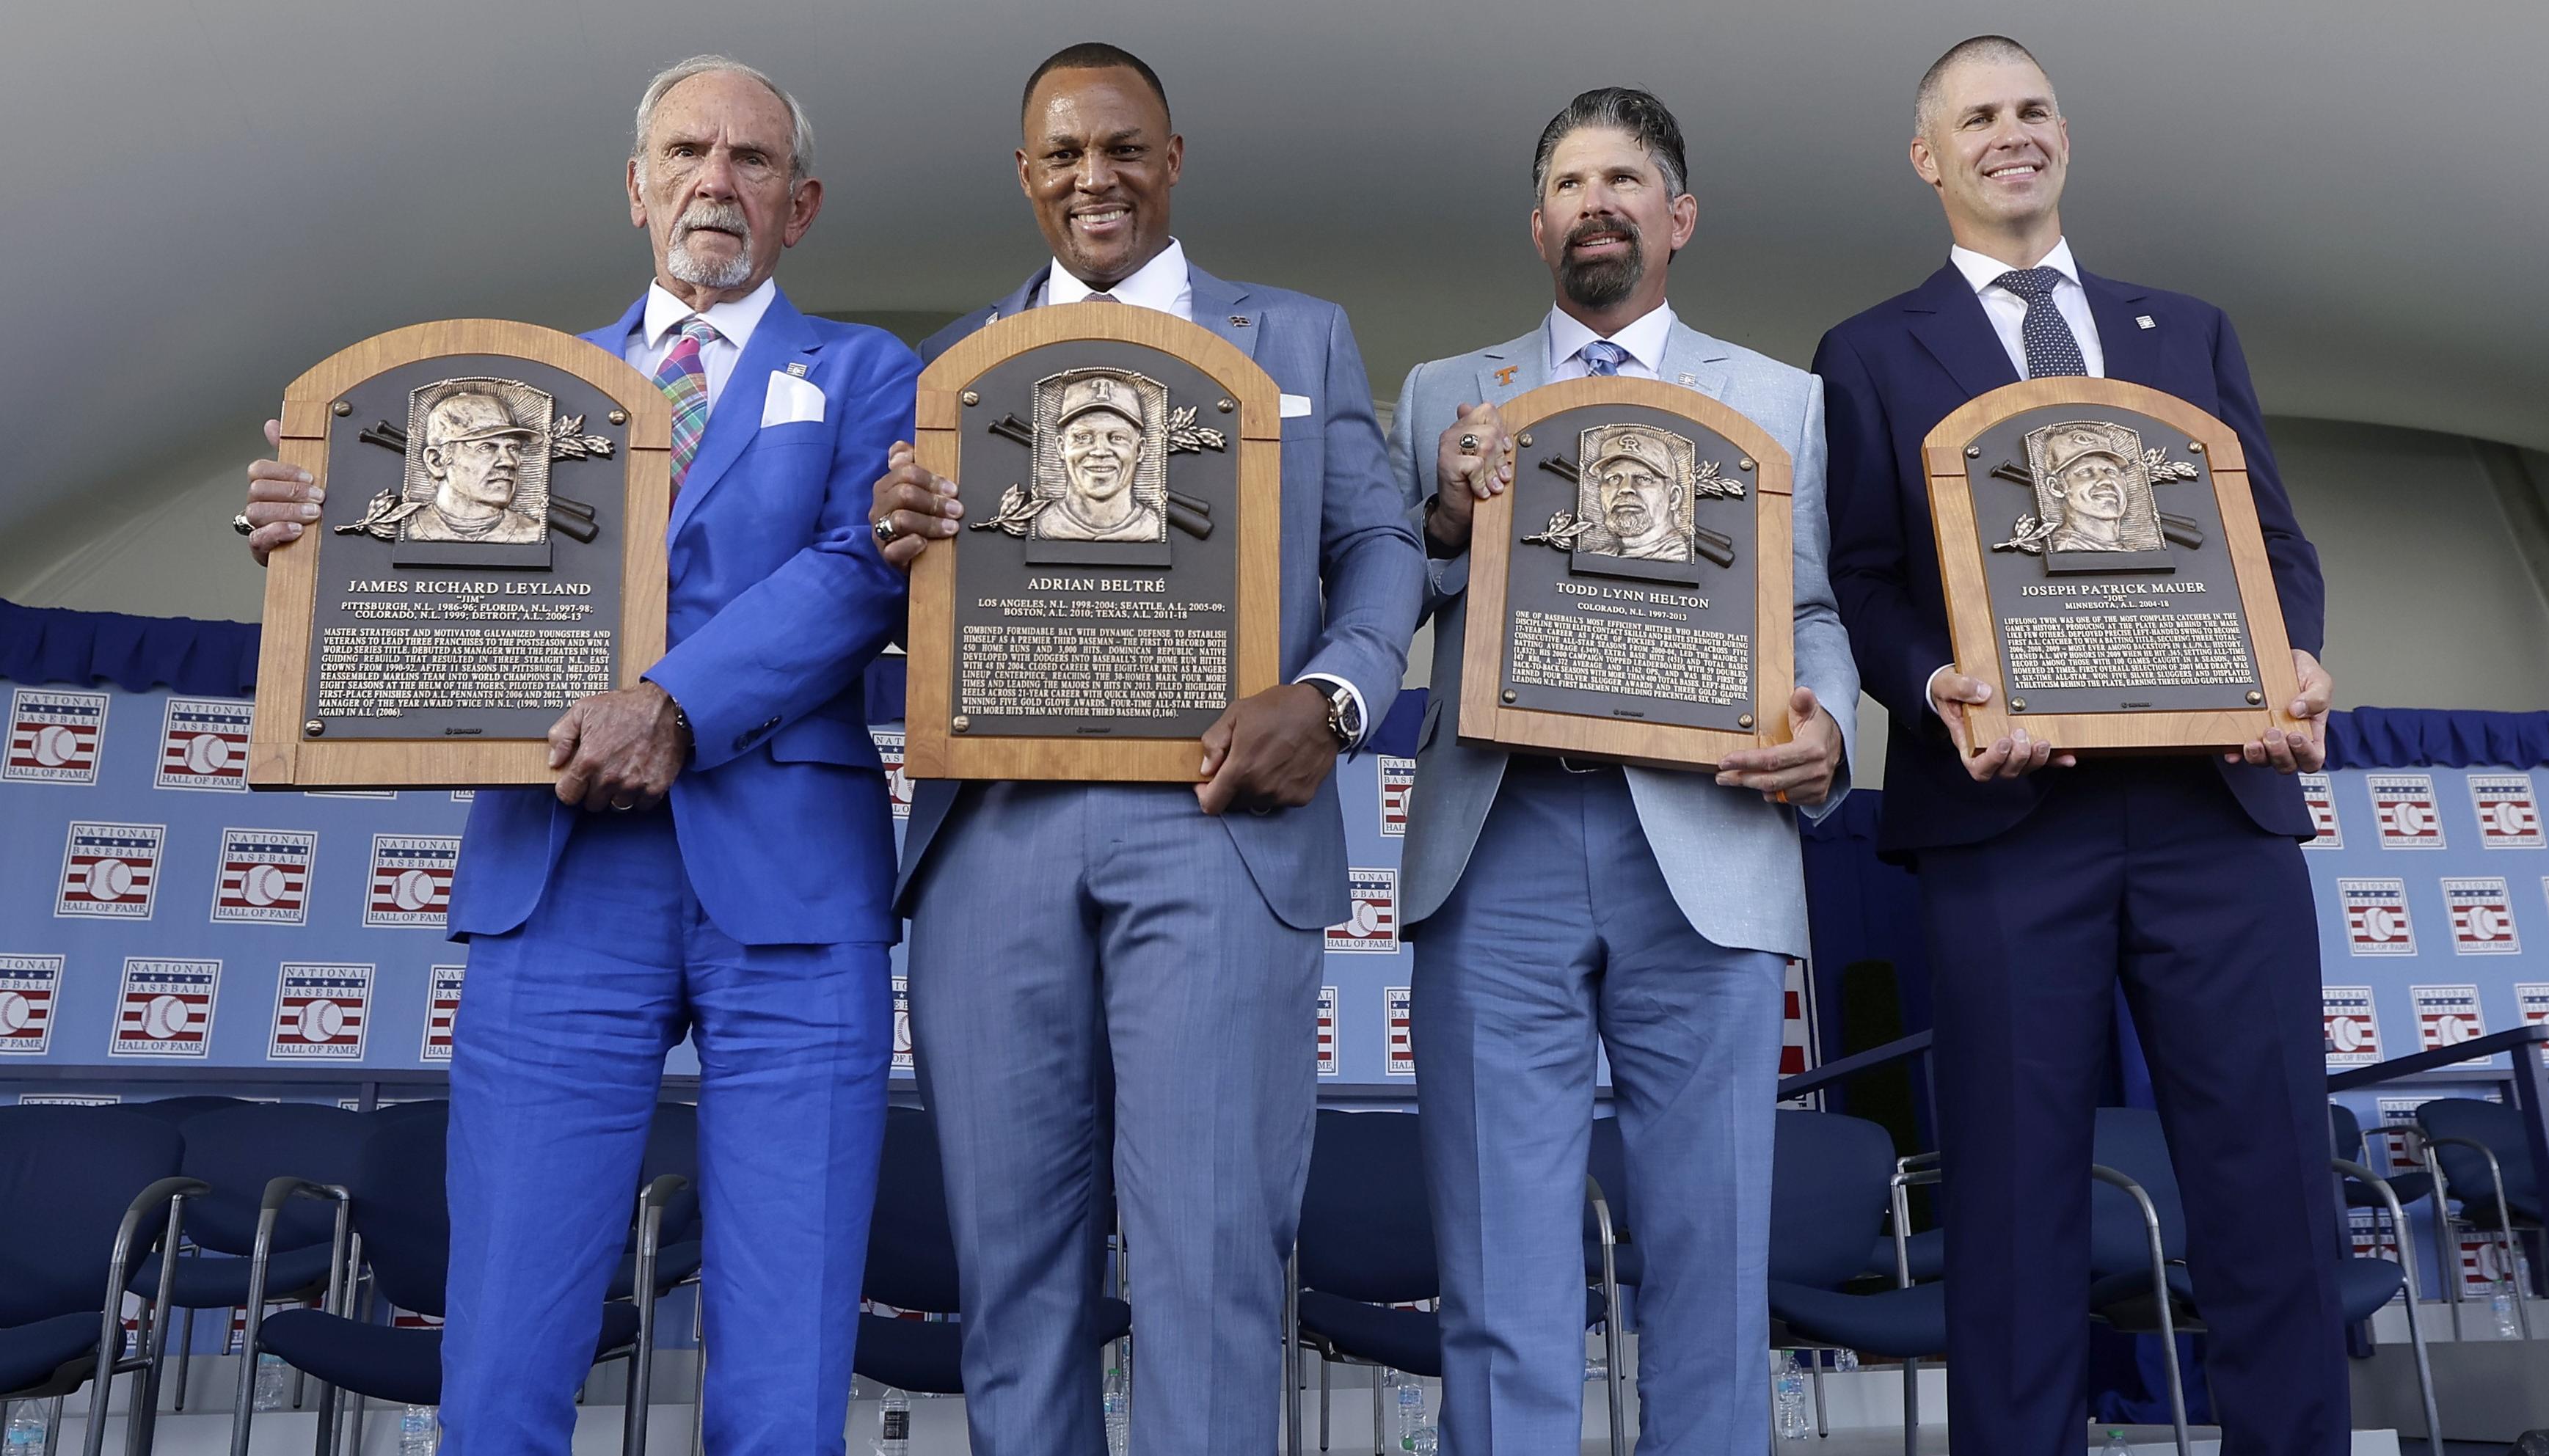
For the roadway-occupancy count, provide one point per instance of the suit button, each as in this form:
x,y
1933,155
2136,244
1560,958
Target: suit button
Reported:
x,y
742,741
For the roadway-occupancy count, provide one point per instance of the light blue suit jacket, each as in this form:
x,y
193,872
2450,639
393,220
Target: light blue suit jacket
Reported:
x,y
777,602
1731,859
1354,573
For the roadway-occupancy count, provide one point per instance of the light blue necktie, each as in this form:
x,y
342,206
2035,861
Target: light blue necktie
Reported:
x,y
1603,359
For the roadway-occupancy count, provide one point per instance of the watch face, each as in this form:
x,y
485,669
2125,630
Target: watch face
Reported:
x,y
1346,715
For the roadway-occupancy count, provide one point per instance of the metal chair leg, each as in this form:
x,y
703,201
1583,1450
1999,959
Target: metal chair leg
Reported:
x,y
185,1358
1290,1371
699,1373
2407,1286
53,1430
1376,1449
1910,1407
1323,1403
1823,1426
2447,1265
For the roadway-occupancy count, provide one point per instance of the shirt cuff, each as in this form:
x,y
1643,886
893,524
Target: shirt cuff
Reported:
x,y
1363,709
1928,690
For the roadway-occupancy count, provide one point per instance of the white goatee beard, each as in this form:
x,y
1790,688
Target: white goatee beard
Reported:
x,y
699,272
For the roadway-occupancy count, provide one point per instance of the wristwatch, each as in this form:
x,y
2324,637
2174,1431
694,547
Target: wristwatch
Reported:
x,y
1345,716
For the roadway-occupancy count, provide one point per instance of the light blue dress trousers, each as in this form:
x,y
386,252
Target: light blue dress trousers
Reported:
x,y
557,1056
1561,942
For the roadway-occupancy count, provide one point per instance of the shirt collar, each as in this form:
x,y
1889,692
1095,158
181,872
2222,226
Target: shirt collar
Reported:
x,y
734,321
1157,284
1981,271
1644,339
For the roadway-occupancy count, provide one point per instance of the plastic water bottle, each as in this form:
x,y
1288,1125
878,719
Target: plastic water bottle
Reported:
x,y
1845,1360
1119,1412
1428,1441
25,1428
270,1375
1789,1387
894,1425
1596,1367
2116,1446
2500,1304
1411,1411
415,1430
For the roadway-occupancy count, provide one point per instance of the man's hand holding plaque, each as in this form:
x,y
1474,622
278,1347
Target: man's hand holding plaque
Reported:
x,y
1473,462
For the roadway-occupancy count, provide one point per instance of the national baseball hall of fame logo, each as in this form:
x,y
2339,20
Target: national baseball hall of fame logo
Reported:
x,y
442,1010
321,1013
898,785
265,876
2482,911
2530,1002
53,737
2403,805
2351,1029
1402,1032
2508,816
2446,1016
411,879
111,871
903,1056
1327,1030
2318,795
165,1008
27,986
2376,917
1397,782
1371,928
203,743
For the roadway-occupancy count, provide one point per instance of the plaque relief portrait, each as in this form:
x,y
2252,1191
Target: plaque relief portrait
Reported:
x,y
1635,486
2096,506
1100,454
477,463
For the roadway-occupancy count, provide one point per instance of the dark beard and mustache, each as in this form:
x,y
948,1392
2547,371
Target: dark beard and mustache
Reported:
x,y
1598,283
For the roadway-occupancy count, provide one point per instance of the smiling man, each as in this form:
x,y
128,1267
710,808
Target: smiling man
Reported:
x,y
2044,883
1662,906
717,858
1155,960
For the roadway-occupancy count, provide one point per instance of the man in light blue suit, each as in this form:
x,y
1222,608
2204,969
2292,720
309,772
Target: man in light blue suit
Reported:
x,y
717,857
1559,907
1146,958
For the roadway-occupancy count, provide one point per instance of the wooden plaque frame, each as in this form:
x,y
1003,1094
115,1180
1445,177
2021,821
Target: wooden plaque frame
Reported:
x,y
931,749
279,756
1970,618
1484,718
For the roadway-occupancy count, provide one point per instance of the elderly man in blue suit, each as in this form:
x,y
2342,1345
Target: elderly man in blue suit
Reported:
x,y
1155,940
2046,882
1561,908
717,857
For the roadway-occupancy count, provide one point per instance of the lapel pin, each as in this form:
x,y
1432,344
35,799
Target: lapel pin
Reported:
x,y
1690,381
2144,319
1505,375
797,369
1239,320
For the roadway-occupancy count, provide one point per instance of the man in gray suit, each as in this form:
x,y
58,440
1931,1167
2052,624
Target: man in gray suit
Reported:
x,y
1560,907
1160,938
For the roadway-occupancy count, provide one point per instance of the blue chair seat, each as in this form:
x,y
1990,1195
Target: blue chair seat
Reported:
x,y
2124,1299
401,1366
1926,1251
2478,1210
1901,1322
2409,1186
30,1354
1402,1339
217,1283
2365,1285
674,1262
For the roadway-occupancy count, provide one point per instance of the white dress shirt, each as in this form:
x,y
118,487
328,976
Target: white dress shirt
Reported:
x,y
1163,283
656,331
1167,284
2007,311
1644,339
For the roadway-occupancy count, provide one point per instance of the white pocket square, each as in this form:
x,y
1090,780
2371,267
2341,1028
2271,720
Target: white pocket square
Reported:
x,y
791,400
1293,407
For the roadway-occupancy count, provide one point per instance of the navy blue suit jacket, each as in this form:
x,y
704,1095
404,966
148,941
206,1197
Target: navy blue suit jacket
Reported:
x,y
778,601
1890,374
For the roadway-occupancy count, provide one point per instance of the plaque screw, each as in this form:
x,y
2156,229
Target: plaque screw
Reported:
x,y
618,416
1743,722
1508,695
971,398
312,728
959,722
1743,464
343,408
2018,704
1224,406
1523,440
1973,452
2194,447
2255,697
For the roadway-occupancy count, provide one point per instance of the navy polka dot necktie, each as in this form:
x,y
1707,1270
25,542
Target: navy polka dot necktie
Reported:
x,y
2051,347
1603,359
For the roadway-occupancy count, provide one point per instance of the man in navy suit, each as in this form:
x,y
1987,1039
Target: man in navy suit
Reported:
x,y
717,855
2046,881
1146,957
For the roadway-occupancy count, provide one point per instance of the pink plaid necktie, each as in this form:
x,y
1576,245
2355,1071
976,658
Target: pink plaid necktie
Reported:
x,y
685,381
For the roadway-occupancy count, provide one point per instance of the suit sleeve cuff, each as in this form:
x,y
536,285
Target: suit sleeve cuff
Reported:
x,y
1363,709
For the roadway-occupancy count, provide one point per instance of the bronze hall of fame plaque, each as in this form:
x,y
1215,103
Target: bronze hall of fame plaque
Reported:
x,y
1632,597
1117,583
2104,570
492,549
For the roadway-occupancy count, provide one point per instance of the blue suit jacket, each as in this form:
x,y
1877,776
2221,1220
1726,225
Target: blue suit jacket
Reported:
x,y
778,601
1354,573
1890,374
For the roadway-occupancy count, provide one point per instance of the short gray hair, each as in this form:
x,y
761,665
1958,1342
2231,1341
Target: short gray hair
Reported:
x,y
801,129
1621,109
1924,101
